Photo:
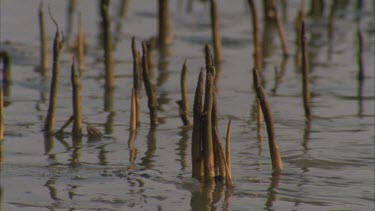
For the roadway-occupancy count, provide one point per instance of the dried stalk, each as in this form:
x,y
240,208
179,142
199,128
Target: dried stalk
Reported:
x,y
133,112
257,52
81,46
216,32
208,149
49,124
77,108
183,103
150,89
281,31
164,24
196,144
136,77
274,149
44,65
361,72
227,148
224,165
219,156
256,36
140,70
298,23
208,57
107,44
305,74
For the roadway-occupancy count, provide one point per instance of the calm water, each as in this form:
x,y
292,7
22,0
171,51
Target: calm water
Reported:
x,y
328,165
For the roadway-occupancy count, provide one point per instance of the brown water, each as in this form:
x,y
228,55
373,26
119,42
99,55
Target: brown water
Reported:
x,y
328,165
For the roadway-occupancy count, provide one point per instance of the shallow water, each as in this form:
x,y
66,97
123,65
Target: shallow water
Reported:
x,y
328,164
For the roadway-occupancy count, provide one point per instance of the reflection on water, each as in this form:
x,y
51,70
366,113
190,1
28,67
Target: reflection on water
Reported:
x,y
182,147
163,75
272,192
148,159
132,150
48,147
361,71
76,154
102,155
108,128
306,136
50,184
279,75
202,199
122,11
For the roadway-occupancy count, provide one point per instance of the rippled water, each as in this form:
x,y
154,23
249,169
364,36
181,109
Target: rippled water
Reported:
x,y
328,164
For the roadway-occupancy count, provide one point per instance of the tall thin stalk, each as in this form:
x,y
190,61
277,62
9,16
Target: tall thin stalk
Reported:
x,y
257,52
257,42
207,142
196,144
49,123
183,103
164,24
274,149
136,77
224,165
227,148
281,31
361,72
77,108
133,112
81,46
149,87
215,28
107,44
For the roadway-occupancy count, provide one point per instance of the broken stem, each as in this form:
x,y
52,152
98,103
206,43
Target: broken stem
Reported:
x,y
183,103
274,149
